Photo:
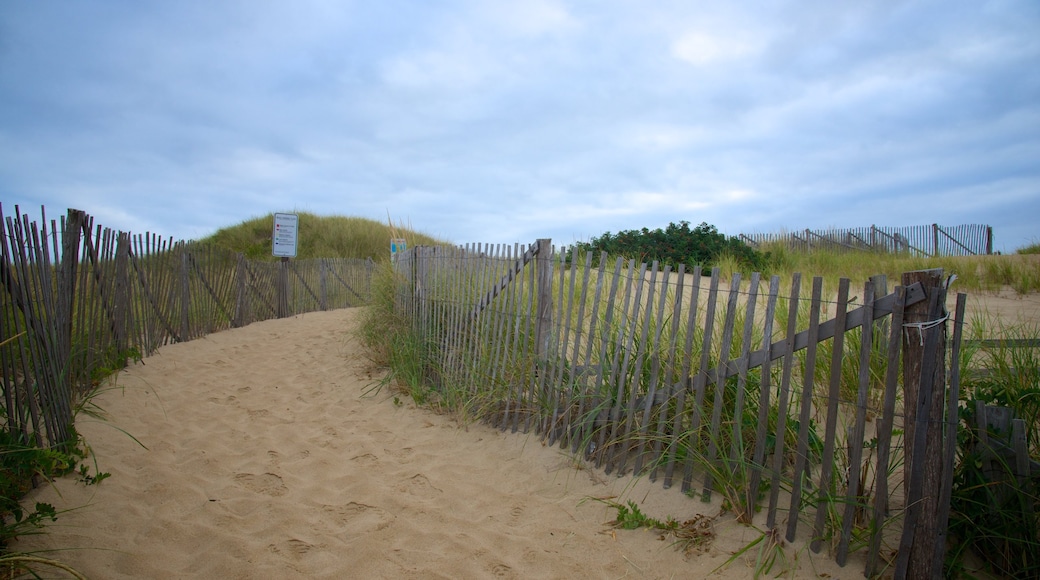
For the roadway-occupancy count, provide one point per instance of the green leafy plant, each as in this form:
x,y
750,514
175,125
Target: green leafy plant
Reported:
x,y
995,512
696,533
678,244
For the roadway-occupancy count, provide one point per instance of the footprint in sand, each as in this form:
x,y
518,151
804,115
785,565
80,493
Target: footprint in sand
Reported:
x,y
230,400
502,571
418,485
265,483
357,518
366,460
402,453
293,549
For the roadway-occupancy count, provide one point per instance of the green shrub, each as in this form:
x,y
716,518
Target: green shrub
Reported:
x,y
677,244
993,512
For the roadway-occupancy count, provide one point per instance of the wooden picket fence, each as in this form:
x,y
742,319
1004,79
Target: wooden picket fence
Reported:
x,y
79,300
925,240
786,405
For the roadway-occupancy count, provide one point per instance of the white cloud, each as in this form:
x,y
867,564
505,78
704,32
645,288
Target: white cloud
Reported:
x,y
703,48
531,17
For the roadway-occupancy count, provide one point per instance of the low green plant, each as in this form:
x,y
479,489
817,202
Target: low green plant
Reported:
x,y
19,465
111,361
630,517
696,533
995,513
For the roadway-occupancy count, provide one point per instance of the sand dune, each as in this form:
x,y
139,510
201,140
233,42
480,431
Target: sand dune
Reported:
x,y
265,460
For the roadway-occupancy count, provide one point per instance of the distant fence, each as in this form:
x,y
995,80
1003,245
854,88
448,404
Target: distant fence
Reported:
x,y
77,301
933,240
745,392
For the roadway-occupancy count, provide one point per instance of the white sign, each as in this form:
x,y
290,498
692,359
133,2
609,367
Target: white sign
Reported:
x,y
397,246
283,240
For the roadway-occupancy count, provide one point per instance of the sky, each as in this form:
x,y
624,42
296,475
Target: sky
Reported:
x,y
501,122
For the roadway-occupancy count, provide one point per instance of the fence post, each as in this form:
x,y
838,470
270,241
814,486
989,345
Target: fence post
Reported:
x,y
241,302
70,240
283,287
324,285
120,298
185,294
543,317
924,391
71,237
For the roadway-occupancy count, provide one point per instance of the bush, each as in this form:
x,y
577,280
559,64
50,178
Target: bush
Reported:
x,y
677,244
994,512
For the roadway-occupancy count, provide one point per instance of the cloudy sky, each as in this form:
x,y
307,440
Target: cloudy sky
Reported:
x,y
498,121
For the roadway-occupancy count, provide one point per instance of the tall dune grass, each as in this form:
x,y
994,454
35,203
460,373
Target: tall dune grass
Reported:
x,y
320,237
1019,272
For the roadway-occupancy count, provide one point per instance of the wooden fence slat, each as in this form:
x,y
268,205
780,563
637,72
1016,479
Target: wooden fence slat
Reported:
x,y
624,449
802,471
559,342
525,296
558,387
508,323
585,408
737,455
826,492
655,368
952,421
626,343
718,402
572,386
758,459
700,381
680,402
668,402
779,439
512,348
853,503
598,414
884,435
522,332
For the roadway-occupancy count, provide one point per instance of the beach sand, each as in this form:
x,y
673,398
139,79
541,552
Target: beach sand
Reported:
x,y
265,452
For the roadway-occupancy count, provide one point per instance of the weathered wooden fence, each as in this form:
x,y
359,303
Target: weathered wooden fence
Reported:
x,y
781,402
933,240
79,300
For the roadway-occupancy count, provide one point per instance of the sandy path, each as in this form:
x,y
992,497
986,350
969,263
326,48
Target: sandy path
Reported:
x,y
264,460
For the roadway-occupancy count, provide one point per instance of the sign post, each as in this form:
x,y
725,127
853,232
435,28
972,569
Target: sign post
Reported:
x,y
283,245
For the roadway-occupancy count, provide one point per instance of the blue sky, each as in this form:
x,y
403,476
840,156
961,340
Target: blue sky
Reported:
x,y
486,121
